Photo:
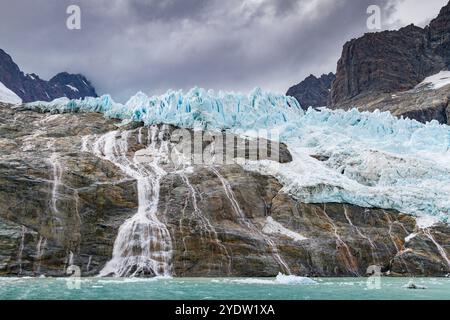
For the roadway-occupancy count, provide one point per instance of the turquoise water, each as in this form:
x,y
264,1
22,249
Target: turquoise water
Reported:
x,y
221,289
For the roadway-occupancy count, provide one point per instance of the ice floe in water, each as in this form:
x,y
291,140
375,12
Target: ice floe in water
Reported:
x,y
280,279
361,158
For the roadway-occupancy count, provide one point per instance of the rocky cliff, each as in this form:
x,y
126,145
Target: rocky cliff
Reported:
x,y
382,70
29,87
72,187
378,65
313,92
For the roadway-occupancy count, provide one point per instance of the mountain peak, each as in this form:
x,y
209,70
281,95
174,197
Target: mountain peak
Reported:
x,y
313,91
29,87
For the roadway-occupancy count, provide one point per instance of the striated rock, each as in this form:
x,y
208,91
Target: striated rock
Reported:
x,y
381,70
313,92
423,104
384,62
439,34
61,206
31,88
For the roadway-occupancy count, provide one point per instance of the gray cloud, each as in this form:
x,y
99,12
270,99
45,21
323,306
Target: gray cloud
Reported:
x,y
126,46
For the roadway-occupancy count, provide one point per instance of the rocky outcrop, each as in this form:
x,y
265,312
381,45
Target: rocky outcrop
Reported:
x,y
29,87
381,70
422,103
62,205
439,34
313,92
384,62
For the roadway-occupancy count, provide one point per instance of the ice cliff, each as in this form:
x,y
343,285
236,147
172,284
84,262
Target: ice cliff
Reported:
x,y
361,158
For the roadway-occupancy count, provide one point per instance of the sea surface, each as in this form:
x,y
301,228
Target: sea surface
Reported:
x,y
223,289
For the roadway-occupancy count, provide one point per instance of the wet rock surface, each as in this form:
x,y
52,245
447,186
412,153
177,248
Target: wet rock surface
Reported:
x,y
61,205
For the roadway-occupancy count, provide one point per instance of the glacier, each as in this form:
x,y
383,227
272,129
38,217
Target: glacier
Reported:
x,y
361,158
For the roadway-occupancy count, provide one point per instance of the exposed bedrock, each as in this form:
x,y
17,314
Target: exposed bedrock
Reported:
x,y
60,206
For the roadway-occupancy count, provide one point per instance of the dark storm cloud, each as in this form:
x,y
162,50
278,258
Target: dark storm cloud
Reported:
x,y
126,46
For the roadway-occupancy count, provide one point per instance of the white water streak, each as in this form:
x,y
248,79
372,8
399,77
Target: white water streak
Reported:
x,y
143,245
243,219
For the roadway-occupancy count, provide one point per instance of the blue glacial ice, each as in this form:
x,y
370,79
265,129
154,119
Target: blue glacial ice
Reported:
x,y
366,159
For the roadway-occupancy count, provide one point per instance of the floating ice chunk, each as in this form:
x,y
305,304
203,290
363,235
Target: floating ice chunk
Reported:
x,y
280,279
294,280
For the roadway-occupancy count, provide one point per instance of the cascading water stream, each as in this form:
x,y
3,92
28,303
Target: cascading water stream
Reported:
x,y
243,219
440,249
143,245
40,250
21,247
346,254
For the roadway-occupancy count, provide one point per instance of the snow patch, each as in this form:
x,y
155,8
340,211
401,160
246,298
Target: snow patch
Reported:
x,y
72,88
410,237
437,81
8,96
273,227
426,222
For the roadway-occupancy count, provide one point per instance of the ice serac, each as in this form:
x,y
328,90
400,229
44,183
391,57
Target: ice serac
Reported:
x,y
361,158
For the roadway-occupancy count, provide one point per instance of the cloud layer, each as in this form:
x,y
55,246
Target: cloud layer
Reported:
x,y
154,45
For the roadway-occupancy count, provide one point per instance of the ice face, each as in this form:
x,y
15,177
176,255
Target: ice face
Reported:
x,y
361,158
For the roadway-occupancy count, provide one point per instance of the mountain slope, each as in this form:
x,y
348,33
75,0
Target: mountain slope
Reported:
x,y
29,87
313,92
382,70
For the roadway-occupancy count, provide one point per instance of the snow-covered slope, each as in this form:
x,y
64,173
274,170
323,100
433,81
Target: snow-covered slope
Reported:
x,y
437,81
367,159
8,96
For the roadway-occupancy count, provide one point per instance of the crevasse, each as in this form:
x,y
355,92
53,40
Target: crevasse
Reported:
x,y
367,159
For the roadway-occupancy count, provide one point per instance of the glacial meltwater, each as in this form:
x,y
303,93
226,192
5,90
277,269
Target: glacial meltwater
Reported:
x,y
285,288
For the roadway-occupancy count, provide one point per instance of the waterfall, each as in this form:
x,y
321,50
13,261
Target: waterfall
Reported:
x,y
243,219
143,245
57,175
22,245
40,250
440,249
347,257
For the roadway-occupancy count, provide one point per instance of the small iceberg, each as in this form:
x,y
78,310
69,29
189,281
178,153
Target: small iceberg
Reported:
x,y
412,286
294,280
280,279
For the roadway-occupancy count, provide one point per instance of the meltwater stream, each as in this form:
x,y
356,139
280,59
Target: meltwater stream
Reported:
x,y
143,245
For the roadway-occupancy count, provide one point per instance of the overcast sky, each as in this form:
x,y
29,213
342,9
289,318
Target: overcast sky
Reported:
x,y
154,45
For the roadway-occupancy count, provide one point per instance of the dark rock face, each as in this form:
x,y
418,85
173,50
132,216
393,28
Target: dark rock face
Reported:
x,y
313,92
32,88
439,34
60,206
423,103
384,62
377,65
